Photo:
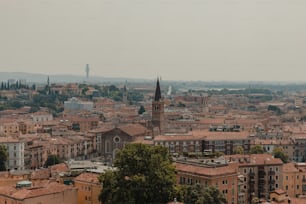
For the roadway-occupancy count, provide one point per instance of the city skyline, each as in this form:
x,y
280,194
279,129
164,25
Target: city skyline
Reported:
x,y
179,40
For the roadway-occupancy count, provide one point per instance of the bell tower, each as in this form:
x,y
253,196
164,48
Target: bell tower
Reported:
x,y
158,117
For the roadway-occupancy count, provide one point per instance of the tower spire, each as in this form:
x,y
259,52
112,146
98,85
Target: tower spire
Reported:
x,y
157,91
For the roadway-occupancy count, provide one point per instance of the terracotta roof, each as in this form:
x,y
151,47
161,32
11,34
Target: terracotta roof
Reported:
x,y
30,192
134,129
40,174
8,140
254,159
290,167
41,113
280,191
206,171
177,137
58,168
205,135
88,177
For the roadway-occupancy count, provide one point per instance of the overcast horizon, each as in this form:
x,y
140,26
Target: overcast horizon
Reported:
x,y
207,40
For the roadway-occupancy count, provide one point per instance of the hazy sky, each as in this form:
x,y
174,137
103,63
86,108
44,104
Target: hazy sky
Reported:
x,y
177,39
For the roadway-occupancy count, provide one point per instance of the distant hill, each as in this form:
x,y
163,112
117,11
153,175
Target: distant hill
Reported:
x,y
42,78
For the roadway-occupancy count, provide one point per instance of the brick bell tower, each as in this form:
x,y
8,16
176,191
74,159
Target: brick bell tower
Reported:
x,y
158,118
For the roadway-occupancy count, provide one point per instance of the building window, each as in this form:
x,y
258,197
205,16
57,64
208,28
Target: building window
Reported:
x,y
287,188
116,139
107,146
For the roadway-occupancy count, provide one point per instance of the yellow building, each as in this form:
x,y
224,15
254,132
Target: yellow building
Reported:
x,y
89,188
294,179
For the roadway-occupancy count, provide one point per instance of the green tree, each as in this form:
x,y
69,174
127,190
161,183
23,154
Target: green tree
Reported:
x,y
3,157
141,110
257,149
180,104
145,174
238,150
278,152
52,160
197,194
218,154
275,109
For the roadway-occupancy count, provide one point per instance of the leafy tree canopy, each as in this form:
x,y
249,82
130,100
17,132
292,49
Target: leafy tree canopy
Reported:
x,y
197,194
52,160
3,157
257,149
238,150
145,175
279,153
275,109
141,110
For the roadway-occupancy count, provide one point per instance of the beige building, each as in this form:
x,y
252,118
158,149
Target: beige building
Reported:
x,y
8,127
204,141
27,127
49,193
209,172
89,188
294,179
41,116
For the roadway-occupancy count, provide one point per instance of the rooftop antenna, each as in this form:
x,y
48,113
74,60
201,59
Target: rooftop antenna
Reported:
x,y
87,71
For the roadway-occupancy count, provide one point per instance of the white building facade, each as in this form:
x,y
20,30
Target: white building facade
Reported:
x,y
15,150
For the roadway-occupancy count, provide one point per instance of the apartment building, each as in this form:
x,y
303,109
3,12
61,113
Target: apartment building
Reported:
x,y
210,172
294,179
41,116
204,141
8,127
300,147
15,150
260,174
27,127
268,145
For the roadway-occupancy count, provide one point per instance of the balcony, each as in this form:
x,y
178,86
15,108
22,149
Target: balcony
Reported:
x,y
272,181
271,173
261,182
252,182
261,172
